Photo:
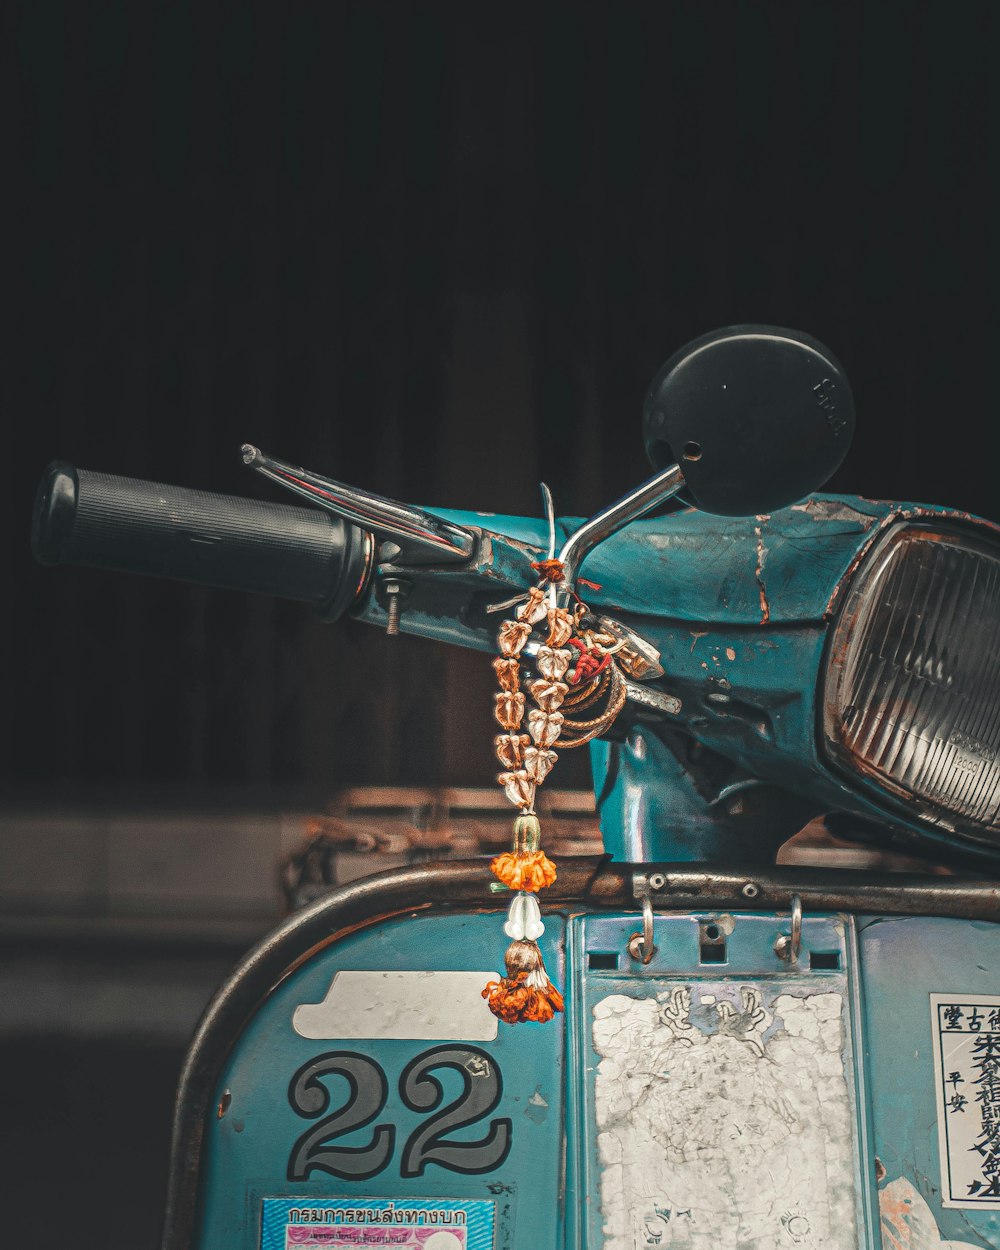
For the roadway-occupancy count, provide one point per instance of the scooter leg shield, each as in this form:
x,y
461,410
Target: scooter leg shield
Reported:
x,y
773,1072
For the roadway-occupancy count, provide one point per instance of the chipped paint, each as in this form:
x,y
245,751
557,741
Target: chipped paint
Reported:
x,y
834,509
908,1222
725,1118
848,575
695,569
537,1108
730,653
695,636
765,607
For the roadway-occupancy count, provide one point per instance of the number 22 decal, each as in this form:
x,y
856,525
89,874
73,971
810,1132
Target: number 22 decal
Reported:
x,y
482,1087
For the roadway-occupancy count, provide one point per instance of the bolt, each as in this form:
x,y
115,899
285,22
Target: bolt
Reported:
x,y
751,890
392,590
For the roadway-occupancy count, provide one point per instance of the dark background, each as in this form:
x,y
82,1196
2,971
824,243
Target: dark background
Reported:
x,y
436,250
439,251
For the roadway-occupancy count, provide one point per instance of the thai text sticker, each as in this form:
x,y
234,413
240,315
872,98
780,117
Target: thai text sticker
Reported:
x,y
966,1032
332,1223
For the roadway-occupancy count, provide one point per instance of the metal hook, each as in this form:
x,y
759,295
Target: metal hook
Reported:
x,y
789,947
550,515
640,945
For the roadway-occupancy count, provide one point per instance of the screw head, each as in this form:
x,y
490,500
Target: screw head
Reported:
x,y
751,890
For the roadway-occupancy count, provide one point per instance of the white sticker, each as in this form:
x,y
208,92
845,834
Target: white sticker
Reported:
x,y
725,1117
966,1032
417,1006
908,1223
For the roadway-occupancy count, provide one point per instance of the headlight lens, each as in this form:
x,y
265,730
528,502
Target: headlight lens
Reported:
x,y
912,699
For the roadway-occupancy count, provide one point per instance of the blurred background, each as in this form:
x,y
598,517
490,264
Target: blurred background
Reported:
x,y
436,250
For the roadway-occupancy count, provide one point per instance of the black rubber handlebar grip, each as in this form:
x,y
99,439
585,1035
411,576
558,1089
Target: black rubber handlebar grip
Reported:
x,y
82,517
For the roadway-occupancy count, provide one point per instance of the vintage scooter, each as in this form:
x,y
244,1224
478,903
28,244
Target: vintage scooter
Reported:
x,y
750,1055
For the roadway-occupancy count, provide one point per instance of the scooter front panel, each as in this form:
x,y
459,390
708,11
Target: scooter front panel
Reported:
x,y
374,1100
348,1087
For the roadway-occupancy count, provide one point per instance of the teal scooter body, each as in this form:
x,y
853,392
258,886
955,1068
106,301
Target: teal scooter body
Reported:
x,y
728,1091
742,612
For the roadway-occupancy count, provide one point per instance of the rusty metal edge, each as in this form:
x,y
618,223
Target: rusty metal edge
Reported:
x,y
582,883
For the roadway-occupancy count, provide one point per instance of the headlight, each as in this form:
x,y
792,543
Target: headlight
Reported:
x,y
912,697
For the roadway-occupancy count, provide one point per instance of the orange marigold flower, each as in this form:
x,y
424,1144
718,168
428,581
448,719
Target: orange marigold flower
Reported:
x,y
544,1004
507,998
524,870
515,1000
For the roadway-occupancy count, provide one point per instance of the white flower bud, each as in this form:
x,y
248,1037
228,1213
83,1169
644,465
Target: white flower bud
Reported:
x,y
524,919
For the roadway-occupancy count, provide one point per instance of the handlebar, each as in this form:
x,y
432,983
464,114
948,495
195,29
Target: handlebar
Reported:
x,y
98,519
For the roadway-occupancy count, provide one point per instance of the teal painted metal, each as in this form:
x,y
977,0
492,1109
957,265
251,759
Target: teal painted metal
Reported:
x,y
687,567
247,1151
551,1190
740,609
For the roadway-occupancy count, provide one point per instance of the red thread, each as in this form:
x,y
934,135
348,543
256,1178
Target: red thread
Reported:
x,y
589,665
551,570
